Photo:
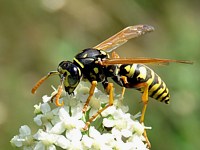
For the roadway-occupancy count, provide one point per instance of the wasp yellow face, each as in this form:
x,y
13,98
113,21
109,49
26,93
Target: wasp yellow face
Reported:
x,y
70,74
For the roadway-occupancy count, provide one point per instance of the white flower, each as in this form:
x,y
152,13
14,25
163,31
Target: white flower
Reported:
x,y
44,115
45,108
62,127
67,122
87,142
24,138
138,143
137,127
46,98
108,122
49,140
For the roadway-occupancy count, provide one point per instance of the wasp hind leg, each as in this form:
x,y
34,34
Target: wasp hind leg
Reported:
x,y
145,102
110,89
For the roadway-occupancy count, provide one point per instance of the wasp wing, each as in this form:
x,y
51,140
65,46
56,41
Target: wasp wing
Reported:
x,y
142,61
123,36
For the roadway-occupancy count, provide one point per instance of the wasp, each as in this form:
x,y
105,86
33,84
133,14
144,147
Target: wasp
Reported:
x,y
96,65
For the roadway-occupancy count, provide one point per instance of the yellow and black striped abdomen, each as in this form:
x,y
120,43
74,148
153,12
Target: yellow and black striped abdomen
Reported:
x,y
139,73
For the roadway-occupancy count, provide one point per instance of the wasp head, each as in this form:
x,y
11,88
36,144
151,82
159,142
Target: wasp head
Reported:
x,y
70,75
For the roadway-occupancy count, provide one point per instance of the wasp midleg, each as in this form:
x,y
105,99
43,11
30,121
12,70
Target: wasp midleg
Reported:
x,y
110,103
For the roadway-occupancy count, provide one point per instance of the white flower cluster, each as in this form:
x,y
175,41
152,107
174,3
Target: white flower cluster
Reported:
x,y
62,127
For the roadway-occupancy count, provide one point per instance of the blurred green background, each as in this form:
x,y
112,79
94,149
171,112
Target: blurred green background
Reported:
x,y
36,35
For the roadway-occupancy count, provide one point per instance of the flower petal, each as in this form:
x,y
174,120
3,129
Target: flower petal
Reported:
x,y
25,130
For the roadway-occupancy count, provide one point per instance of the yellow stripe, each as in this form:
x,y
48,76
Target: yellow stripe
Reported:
x,y
77,61
150,80
131,70
163,95
79,72
128,69
156,86
161,90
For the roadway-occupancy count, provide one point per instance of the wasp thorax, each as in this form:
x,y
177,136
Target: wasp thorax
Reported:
x,y
70,74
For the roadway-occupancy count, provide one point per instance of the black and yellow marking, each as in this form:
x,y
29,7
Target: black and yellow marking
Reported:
x,y
79,63
139,73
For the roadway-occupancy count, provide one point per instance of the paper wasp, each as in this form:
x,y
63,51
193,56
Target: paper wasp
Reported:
x,y
96,65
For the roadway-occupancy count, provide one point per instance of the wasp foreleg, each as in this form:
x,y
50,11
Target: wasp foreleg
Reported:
x,y
91,92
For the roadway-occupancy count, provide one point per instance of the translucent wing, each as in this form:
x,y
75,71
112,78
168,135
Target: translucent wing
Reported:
x,y
142,61
123,36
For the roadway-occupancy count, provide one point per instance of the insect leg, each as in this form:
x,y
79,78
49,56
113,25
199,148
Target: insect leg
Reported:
x,y
57,97
91,92
144,95
110,88
144,98
58,94
145,101
124,79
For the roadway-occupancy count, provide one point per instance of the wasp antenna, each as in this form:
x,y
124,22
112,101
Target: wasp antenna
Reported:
x,y
38,84
42,80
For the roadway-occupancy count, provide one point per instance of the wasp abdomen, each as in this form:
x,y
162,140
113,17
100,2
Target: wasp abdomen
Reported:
x,y
139,73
